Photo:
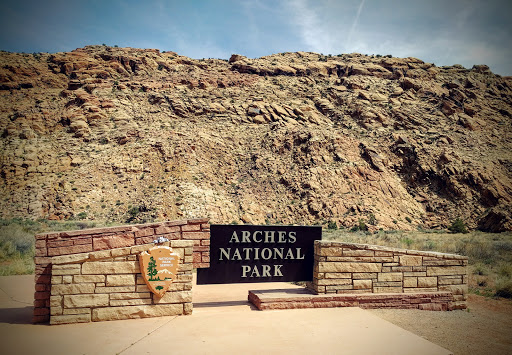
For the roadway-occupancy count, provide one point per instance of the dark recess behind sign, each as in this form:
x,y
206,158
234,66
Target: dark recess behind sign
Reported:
x,y
223,271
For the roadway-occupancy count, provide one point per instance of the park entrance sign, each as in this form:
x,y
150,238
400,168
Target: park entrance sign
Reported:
x,y
250,253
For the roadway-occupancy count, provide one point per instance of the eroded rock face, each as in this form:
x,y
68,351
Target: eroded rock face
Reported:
x,y
131,134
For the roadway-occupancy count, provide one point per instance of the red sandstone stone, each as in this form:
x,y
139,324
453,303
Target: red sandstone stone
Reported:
x,y
80,241
172,236
175,223
40,303
41,319
42,287
144,232
191,228
93,231
41,311
205,242
75,249
198,220
41,243
199,248
42,260
196,235
166,230
144,240
41,295
113,241
40,252
59,243
43,270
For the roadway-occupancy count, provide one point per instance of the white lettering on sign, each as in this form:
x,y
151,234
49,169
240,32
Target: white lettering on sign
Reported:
x,y
266,270
257,253
266,237
167,261
263,236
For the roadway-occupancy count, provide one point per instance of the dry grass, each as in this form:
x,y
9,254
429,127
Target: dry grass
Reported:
x,y
17,242
490,254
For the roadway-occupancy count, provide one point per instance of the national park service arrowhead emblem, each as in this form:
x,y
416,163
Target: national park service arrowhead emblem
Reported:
x,y
159,267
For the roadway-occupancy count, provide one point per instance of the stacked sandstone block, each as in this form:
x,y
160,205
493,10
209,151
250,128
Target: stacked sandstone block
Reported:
x,y
360,268
49,245
432,301
107,285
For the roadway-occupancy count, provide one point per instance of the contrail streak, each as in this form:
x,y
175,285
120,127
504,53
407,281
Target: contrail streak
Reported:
x,y
354,24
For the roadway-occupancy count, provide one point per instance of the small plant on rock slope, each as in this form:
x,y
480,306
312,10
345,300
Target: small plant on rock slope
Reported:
x,y
458,226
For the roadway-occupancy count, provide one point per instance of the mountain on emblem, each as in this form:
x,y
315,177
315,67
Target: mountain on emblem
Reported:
x,y
159,267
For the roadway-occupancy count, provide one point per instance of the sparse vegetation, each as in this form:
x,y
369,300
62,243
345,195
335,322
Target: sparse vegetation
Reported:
x,y
16,247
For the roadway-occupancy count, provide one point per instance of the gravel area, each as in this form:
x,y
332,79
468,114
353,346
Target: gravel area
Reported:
x,y
484,328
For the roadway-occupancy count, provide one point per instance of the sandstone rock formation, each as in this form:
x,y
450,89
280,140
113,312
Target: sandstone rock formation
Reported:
x,y
128,134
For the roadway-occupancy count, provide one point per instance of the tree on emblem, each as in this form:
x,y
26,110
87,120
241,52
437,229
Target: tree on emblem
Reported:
x,y
152,270
159,287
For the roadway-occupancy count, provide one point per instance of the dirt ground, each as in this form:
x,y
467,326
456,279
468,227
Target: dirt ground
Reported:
x,y
484,328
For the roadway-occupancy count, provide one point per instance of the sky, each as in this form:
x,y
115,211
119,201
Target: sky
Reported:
x,y
443,32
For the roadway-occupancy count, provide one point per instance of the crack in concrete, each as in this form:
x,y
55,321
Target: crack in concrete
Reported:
x,y
13,299
145,336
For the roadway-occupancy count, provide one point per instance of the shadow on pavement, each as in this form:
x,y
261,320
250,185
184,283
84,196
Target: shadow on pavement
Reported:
x,y
21,315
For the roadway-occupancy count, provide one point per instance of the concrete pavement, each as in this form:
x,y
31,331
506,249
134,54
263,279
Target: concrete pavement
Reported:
x,y
223,322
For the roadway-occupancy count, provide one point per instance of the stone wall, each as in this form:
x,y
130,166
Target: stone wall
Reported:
x,y
107,285
360,268
49,245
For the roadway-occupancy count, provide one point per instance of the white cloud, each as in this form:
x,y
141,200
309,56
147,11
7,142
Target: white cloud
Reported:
x,y
313,33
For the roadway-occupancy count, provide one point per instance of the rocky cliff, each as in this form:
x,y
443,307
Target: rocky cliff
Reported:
x,y
129,134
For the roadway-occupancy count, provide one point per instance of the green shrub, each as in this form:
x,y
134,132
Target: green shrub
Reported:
x,y
458,226
407,241
82,215
504,288
505,270
429,245
480,269
332,225
372,220
133,211
360,226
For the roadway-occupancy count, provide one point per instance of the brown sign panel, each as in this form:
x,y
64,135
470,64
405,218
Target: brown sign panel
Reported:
x,y
159,267
251,253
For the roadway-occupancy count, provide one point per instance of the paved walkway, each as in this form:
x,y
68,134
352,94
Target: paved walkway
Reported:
x,y
223,322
